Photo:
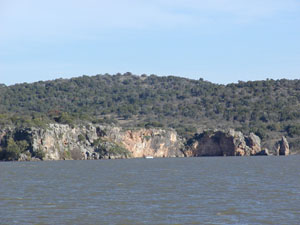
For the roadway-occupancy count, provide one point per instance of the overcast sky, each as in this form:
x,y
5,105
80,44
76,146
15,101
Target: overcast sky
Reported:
x,y
221,41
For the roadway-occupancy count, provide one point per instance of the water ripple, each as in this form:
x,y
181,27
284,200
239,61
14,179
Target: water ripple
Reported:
x,y
229,190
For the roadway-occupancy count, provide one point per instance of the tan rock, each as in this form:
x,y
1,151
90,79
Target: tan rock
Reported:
x,y
253,141
222,143
63,142
152,142
282,147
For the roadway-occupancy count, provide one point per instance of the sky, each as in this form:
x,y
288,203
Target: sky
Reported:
x,y
222,41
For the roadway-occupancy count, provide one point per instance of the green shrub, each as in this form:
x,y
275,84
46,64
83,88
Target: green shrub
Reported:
x,y
97,142
13,150
293,130
40,154
81,138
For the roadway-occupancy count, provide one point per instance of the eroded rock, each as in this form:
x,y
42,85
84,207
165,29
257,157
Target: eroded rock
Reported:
x,y
63,142
282,147
152,142
89,142
222,143
264,152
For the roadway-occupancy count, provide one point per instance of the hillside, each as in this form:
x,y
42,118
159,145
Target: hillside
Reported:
x,y
269,108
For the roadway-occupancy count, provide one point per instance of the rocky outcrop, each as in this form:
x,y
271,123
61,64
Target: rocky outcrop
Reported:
x,y
253,141
282,147
222,143
152,142
62,142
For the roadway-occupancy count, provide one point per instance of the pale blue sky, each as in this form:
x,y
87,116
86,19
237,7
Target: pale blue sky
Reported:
x,y
221,41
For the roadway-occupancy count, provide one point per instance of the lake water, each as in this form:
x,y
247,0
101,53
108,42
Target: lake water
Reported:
x,y
216,190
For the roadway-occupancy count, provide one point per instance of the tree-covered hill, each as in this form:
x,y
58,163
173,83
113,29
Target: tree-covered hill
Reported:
x,y
270,108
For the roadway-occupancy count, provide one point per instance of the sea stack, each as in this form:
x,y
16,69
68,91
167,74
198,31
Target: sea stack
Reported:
x,y
283,147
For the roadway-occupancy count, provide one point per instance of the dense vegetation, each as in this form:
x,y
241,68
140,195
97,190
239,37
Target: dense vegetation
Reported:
x,y
270,108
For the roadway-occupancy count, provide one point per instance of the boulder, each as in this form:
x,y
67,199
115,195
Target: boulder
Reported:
x,y
264,152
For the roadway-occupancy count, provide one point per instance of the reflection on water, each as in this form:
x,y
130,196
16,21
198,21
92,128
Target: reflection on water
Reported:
x,y
229,190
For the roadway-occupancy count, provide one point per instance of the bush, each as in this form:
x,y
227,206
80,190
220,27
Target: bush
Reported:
x,y
40,154
81,138
97,142
153,124
293,130
64,118
13,150
260,132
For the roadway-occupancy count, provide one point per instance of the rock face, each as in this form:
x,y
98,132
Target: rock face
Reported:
x,y
222,143
253,141
63,142
152,142
282,147
58,142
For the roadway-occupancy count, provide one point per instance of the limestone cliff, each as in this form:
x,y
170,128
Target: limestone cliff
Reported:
x,y
152,142
222,143
59,141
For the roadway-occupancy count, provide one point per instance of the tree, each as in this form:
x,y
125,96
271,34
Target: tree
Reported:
x,y
13,150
